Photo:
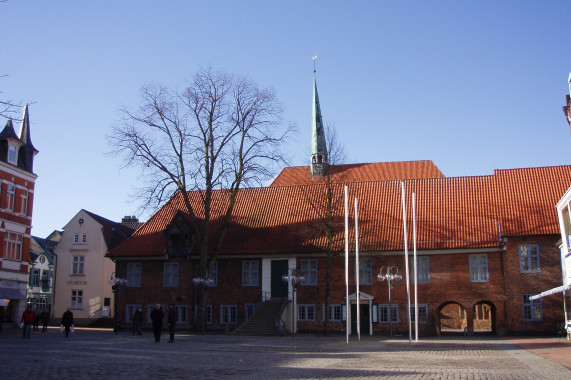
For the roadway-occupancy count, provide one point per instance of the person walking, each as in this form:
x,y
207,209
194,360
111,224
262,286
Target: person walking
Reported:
x,y
157,316
171,320
67,321
137,322
28,318
45,316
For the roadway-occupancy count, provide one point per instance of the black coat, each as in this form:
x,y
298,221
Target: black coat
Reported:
x,y
157,317
67,319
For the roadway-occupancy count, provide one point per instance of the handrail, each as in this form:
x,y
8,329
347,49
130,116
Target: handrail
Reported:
x,y
279,322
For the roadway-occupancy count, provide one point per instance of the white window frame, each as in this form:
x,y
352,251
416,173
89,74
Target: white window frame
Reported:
x,y
181,314
422,311
130,310
84,238
134,271
423,264
532,310
11,194
250,310
24,204
250,270
170,277
76,239
384,313
365,271
306,312
14,243
335,312
309,270
35,277
12,154
228,314
478,269
76,299
78,265
527,258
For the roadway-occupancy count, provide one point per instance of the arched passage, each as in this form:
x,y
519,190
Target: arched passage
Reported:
x,y
452,318
484,317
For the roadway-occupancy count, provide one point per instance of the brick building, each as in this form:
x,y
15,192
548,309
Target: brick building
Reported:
x,y
17,180
485,244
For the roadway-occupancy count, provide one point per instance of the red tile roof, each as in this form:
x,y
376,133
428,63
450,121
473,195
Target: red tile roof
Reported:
x,y
379,171
456,212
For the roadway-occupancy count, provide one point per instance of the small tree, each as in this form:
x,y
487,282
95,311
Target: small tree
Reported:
x,y
326,203
221,133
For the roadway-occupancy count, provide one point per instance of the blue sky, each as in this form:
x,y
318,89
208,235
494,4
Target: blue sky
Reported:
x,y
472,85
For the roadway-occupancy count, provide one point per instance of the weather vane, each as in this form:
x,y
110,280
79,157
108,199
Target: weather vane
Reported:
x,y
314,58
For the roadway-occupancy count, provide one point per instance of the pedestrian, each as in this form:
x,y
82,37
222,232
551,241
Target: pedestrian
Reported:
x,y
28,318
36,321
137,322
67,321
171,320
45,320
157,316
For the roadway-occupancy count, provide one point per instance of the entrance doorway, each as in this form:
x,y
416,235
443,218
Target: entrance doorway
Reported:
x,y
279,287
364,310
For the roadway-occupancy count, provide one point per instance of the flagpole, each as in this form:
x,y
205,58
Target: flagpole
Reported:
x,y
357,271
347,265
415,267
406,262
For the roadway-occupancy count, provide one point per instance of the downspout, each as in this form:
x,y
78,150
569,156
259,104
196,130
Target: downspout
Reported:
x,y
502,253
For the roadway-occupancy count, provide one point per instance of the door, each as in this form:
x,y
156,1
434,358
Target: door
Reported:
x,y
279,287
364,318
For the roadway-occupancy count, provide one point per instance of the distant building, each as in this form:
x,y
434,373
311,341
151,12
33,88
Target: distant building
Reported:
x,y
17,181
82,270
41,278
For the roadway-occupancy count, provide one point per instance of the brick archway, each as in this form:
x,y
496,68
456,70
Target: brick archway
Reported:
x,y
485,321
452,318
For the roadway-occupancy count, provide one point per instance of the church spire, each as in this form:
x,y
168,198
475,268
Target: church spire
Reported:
x,y
319,161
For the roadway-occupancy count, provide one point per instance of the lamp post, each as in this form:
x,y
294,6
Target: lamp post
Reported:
x,y
294,278
205,282
115,283
390,274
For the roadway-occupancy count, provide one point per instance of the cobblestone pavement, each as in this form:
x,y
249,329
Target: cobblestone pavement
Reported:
x,y
90,354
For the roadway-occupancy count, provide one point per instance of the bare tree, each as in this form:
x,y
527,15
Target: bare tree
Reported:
x,y
221,133
326,203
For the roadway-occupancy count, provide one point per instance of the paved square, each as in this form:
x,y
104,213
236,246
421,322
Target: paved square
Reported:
x,y
99,354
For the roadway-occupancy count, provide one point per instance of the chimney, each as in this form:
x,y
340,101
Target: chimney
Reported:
x,y
130,219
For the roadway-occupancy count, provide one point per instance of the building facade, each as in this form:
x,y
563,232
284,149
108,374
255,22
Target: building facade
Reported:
x,y
83,272
17,181
41,275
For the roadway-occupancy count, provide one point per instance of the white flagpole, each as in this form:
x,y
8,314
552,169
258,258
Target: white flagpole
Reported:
x,y
415,279
348,304
406,262
357,271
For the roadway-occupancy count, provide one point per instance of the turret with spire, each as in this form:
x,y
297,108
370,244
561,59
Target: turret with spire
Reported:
x,y
319,161
18,150
27,151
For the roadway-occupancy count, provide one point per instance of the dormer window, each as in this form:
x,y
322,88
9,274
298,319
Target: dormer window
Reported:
x,y
12,156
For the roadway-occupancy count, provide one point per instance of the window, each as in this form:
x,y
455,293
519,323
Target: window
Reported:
x,y
309,272
24,207
479,268
213,275
423,264
365,271
13,246
129,311
181,314
77,299
228,314
134,275
171,275
84,238
11,196
45,282
250,309
384,313
532,310
529,258
78,266
107,301
422,313
12,154
306,313
76,239
335,313
208,313
250,273
35,277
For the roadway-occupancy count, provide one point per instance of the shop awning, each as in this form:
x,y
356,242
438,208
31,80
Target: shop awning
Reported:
x,y
3,302
11,294
549,292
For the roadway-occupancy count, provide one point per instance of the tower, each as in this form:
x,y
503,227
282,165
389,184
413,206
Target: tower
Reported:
x,y
319,160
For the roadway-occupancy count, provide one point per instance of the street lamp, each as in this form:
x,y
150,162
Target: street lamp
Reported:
x,y
390,274
115,283
205,282
294,278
